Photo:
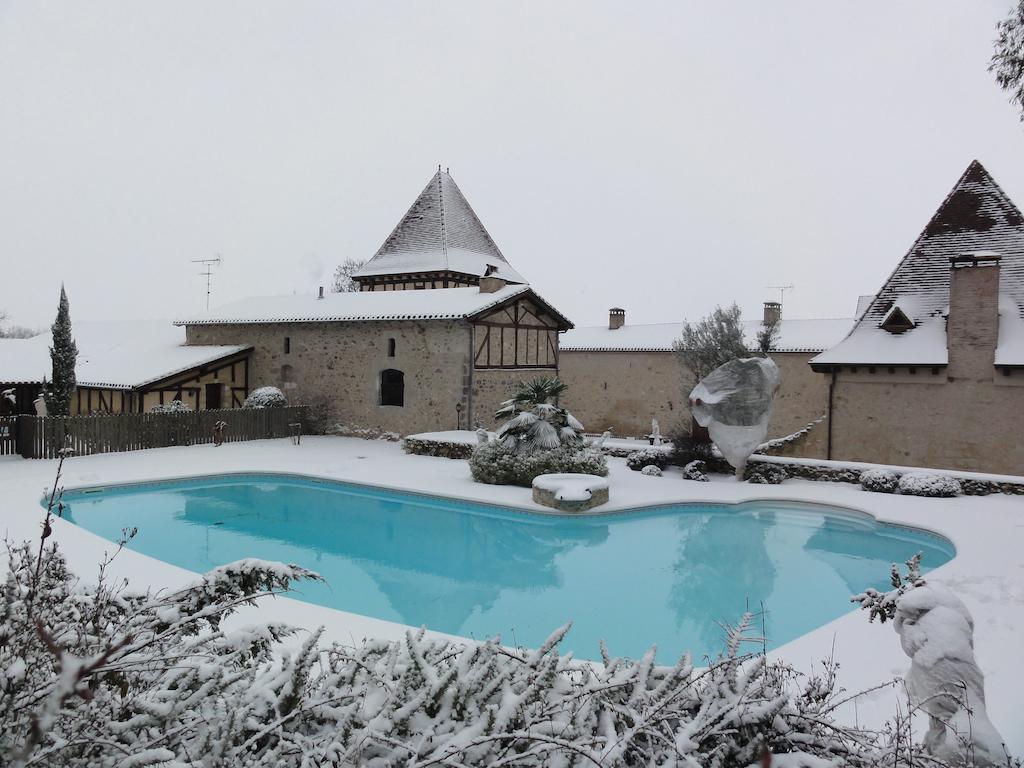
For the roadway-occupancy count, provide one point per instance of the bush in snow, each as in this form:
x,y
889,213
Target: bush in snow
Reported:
x,y
696,470
534,423
879,480
937,632
765,474
266,397
495,464
175,406
647,457
96,675
651,471
928,484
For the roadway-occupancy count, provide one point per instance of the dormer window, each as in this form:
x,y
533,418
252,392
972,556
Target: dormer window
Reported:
x,y
896,321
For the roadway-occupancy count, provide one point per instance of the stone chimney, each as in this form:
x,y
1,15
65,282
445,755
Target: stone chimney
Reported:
x,y
321,292
616,318
772,312
489,283
972,327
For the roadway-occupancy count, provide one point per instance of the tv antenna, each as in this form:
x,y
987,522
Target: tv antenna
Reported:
x,y
208,265
781,289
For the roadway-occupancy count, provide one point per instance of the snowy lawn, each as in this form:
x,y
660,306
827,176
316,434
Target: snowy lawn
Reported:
x,y
987,573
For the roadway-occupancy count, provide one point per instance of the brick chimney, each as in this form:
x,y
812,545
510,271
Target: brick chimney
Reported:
x,y
972,327
772,312
616,318
489,283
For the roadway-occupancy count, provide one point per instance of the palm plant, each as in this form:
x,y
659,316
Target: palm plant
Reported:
x,y
534,423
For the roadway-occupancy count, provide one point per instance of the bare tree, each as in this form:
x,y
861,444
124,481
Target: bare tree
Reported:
x,y
343,282
14,331
711,342
1007,61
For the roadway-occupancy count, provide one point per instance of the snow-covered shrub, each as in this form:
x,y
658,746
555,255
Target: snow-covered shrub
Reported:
x,y
266,397
651,471
765,474
696,470
534,424
97,676
879,480
929,484
175,406
494,464
647,457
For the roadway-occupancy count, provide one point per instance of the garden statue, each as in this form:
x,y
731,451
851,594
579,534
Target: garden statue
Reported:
x,y
598,442
218,433
655,432
734,403
40,405
482,436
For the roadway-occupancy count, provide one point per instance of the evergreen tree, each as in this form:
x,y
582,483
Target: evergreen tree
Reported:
x,y
711,342
63,353
768,335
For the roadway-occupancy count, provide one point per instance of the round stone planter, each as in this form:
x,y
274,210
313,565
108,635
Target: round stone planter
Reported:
x,y
570,492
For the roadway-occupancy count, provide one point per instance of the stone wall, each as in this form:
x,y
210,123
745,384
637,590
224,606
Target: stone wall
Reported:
x,y
337,367
622,391
492,386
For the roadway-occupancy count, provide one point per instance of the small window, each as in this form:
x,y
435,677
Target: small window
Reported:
x,y
897,322
287,345
392,387
391,347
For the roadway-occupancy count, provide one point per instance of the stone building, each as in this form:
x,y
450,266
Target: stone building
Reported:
x,y
441,332
933,372
620,376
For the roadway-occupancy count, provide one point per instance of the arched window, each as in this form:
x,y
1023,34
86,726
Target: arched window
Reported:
x,y
392,387
391,347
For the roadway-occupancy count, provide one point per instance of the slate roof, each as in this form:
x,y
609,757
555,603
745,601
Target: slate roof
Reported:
x,y
802,335
975,216
116,355
440,232
438,304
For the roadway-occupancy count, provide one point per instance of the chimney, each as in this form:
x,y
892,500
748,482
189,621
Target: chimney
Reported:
x,y
772,312
321,292
972,326
616,318
489,283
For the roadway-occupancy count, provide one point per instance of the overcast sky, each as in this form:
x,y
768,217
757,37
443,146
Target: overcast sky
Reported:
x,y
659,157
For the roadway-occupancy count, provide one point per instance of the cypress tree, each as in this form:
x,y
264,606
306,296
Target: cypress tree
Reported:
x,y
63,354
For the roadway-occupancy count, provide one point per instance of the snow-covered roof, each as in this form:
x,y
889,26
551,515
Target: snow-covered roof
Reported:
x,y
440,233
794,336
119,355
976,217
434,304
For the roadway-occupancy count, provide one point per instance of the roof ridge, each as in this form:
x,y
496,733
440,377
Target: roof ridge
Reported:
x,y
440,205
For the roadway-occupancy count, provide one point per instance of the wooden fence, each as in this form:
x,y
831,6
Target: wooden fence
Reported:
x,y
42,437
8,435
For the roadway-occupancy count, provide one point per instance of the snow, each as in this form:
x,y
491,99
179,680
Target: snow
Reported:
x,y
115,355
469,437
1010,346
571,486
454,260
985,574
870,345
435,304
803,335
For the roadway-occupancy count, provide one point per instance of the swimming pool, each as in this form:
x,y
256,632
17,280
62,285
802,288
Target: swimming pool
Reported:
x,y
667,576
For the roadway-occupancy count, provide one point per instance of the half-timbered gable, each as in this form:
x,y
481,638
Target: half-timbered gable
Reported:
x,y
521,334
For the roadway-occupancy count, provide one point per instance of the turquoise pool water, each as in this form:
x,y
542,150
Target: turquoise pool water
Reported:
x,y
665,576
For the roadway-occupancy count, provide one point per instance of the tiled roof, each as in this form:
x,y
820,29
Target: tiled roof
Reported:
x,y
121,355
434,304
976,216
794,336
439,232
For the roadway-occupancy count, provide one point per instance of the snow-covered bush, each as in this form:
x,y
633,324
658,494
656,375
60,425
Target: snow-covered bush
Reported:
x,y
696,470
494,464
266,397
765,474
175,406
879,480
929,484
651,471
98,676
534,424
647,457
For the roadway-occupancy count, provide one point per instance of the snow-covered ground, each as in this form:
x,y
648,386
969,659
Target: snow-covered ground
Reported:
x,y
987,573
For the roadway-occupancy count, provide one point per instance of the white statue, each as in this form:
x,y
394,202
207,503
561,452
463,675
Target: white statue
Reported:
x,y
734,403
482,436
40,405
655,432
599,442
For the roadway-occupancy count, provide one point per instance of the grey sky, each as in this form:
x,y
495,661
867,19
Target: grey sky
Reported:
x,y
660,157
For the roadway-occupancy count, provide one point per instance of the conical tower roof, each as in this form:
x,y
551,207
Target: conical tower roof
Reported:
x,y
440,233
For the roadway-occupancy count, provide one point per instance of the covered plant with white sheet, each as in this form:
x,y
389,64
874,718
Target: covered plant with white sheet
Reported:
x,y
734,403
